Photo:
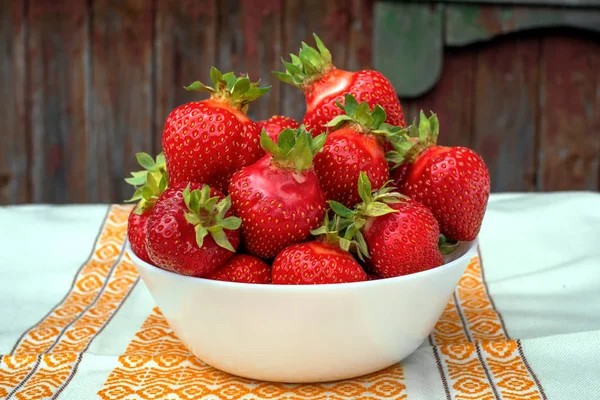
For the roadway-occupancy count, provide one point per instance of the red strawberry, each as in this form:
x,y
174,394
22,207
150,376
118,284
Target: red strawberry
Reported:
x,y
453,182
149,185
278,198
323,84
243,268
276,124
315,263
207,141
191,231
373,277
399,236
352,147
321,261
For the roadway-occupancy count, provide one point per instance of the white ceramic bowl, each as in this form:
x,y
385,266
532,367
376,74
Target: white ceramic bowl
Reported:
x,y
304,333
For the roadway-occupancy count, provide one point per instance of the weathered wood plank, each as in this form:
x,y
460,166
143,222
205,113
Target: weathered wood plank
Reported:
x,y
506,109
569,151
469,23
451,99
302,18
58,50
121,91
14,187
407,45
358,54
261,26
186,47
249,41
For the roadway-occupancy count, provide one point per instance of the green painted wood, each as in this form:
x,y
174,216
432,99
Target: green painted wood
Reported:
x,y
466,23
407,45
561,3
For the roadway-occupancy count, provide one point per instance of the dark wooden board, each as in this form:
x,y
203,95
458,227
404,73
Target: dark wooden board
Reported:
x,y
506,111
58,79
569,149
14,160
360,45
186,47
121,94
451,99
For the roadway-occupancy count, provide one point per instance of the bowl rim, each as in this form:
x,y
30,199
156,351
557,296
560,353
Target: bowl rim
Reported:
x,y
469,253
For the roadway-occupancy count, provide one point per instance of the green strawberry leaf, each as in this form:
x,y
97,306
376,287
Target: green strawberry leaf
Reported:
x,y
231,223
364,187
269,145
201,233
221,238
325,54
350,105
378,116
145,160
377,209
340,209
286,140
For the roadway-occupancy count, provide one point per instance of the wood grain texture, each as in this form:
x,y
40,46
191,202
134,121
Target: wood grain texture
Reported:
x,y
506,110
359,52
469,23
261,27
14,160
186,47
121,94
569,150
330,21
58,60
451,99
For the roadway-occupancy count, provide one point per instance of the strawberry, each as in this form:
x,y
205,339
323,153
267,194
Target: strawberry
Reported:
x,y
278,198
207,141
398,235
276,124
149,184
322,83
453,182
353,146
318,261
191,230
243,268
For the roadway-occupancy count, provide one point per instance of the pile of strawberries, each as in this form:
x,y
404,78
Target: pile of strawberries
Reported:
x,y
350,195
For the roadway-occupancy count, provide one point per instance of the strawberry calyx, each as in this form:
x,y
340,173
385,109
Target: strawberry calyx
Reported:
x,y
236,91
414,140
295,148
207,214
362,119
149,183
308,66
334,231
374,204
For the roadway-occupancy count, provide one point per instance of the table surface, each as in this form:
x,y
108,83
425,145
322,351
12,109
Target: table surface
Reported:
x,y
524,323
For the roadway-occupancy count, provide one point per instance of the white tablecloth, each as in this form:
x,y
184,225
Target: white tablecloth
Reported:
x,y
76,322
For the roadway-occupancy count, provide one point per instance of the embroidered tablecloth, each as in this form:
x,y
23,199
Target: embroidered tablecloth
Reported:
x,y
524,322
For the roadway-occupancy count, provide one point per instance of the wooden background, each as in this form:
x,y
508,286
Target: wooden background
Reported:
x,y
87,83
